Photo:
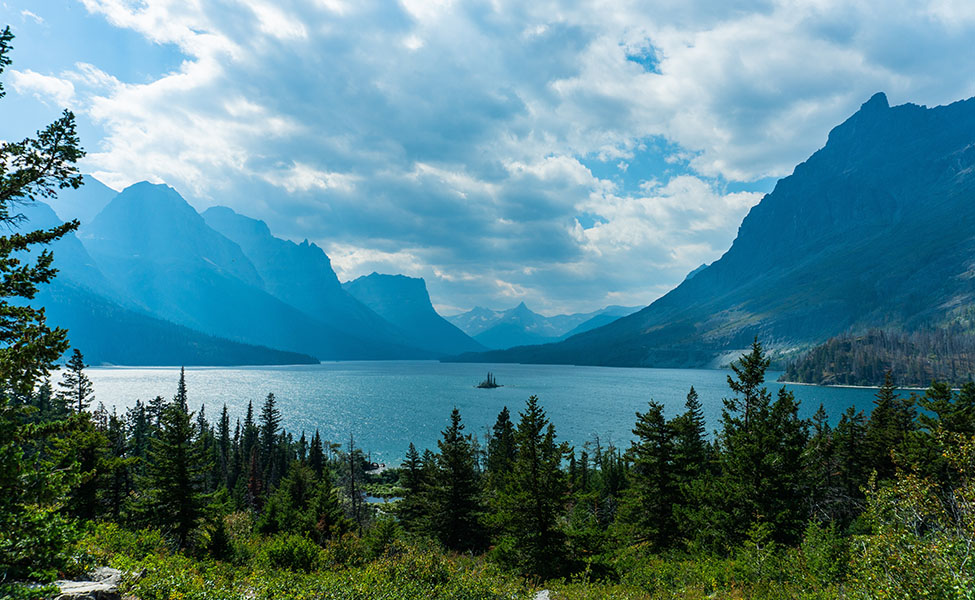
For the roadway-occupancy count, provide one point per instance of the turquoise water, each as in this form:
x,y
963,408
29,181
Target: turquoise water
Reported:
x,y
386,405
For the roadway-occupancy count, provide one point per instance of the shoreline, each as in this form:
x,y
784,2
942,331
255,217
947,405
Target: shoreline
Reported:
x,y
855,387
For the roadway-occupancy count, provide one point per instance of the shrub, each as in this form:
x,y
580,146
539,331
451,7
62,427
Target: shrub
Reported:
x,y
292,552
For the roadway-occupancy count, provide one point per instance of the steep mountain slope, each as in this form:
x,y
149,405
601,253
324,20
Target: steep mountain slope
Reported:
x,y
873,230
110,329
302,276
405,302
153,245
603,317
108,333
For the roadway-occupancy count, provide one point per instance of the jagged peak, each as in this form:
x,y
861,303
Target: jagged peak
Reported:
x,y
876,102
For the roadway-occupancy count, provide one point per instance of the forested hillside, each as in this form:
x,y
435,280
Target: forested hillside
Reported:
x,y
914,359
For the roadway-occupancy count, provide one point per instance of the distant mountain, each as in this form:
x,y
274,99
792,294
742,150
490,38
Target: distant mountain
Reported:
x,y
520,325
301,275
405,302
152,244
82,203
870,232
600,318
111,330
108,333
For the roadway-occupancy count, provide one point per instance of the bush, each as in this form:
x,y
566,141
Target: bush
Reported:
x,y
292,552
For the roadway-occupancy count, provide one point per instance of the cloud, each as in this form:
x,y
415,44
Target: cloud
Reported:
x,y
570,153
33,17
43,87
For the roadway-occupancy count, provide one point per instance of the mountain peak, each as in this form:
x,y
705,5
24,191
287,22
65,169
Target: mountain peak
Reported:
x,y
876,102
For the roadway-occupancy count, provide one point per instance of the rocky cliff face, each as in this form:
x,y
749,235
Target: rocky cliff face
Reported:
x,y
873,230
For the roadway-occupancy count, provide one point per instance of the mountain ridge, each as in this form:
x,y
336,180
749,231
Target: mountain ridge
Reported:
x,y
821,254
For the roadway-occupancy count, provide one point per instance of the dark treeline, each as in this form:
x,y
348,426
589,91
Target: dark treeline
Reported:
x,y
530,502
914,359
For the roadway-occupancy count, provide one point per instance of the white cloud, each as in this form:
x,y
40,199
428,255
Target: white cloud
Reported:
x,y
33,17
447,137
43,87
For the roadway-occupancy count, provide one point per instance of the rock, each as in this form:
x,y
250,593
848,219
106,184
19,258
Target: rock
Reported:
x,y
103,585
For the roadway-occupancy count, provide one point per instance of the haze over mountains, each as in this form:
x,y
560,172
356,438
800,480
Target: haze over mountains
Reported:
x,y
148,280
870,232
519,326
873,230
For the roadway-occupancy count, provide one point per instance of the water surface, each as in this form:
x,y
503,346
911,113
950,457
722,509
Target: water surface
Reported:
x,y
388,404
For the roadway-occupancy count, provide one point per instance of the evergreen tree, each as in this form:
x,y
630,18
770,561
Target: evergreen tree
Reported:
x,y
224,449
532,502
175,472
316,454
76,389
890,423
412,510
456,502
501,448
691,452
269,429
34,535
760,450
649,504
851,462
181,398
304,504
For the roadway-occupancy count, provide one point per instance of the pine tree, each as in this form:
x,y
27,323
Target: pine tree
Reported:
x,y
224,450
649,504
76,391
316,454
501,448
269,428
34,535
303,504
532,502
412,510
890,423
181,398
691,451
760,449
456,503
176,472
851,462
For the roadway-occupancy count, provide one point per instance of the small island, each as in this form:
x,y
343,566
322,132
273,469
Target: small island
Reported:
x,y
489,383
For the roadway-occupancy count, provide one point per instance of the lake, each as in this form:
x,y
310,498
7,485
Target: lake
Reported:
x,y
388,404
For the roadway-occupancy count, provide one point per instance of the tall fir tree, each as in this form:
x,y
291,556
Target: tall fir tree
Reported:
x,y
76,390
316,454
533,499
175,473
456,502
648,509
890,424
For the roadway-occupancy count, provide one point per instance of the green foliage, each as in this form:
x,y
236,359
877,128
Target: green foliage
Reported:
x,y
921,540
529,507
291,552
34,532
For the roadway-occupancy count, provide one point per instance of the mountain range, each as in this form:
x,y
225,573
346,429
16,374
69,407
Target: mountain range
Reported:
x,y
872,231
149,280
519,326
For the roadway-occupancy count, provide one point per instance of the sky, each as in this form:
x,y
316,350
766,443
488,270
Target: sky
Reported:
x,y
570,155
